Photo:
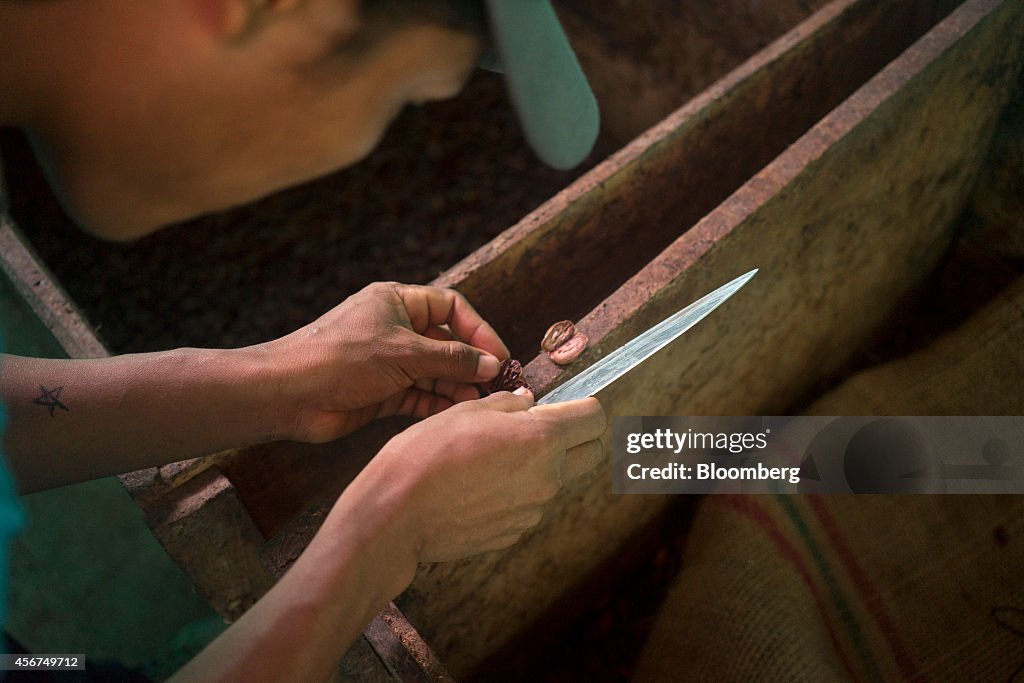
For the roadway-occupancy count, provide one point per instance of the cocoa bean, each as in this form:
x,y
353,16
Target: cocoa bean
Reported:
x,y
570,350
557,334
510,377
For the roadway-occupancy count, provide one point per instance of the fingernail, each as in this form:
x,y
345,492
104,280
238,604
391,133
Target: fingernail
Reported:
x,y
522,391
487,367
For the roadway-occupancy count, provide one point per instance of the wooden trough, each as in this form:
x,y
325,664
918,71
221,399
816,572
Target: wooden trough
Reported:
x,y
837,160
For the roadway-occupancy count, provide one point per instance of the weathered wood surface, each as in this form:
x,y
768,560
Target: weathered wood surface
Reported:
x,y
39,290
856,212
586,241
645,59
205,527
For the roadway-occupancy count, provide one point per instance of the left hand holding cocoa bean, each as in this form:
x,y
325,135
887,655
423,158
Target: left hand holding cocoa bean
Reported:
x,y
390,349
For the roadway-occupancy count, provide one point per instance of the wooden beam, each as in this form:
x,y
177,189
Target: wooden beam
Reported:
x,y
856,212
580,246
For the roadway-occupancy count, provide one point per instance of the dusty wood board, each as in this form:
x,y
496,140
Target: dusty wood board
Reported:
x,y
205,528
41,292
279,481
644,63
859,210
582,244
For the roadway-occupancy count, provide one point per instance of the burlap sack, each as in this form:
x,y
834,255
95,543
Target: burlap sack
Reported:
x,y
977,369
871,588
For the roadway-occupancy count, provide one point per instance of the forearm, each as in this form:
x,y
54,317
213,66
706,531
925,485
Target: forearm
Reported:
x,y
468,480
301,629
72,420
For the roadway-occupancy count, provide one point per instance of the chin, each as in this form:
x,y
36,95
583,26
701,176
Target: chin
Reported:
x,y
117,220
89,201
119,229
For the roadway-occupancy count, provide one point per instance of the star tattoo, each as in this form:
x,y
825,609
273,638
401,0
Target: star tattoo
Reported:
x,y
50,398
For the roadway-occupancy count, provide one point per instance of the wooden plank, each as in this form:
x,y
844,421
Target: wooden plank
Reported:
x,y
586,241
390,648
856,212
644,60
40,291
403,651
207,530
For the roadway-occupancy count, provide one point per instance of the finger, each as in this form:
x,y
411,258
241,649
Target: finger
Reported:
x,y
526,520
433,386
458,392
578,421
506,402
449,360
464,392
439,333
579,460
515,520
433,306
501,542
417,403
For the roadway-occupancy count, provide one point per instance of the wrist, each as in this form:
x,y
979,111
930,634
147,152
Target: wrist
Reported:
x,y
374,514
270,384
290,375
238,387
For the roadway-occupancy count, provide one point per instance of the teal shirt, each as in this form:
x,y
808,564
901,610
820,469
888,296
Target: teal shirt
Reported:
x,y
12,518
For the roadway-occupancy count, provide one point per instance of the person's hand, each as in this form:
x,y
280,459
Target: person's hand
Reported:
x,y
470,479
475,477
389,349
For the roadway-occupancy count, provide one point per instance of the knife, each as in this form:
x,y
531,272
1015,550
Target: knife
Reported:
x,y
629,355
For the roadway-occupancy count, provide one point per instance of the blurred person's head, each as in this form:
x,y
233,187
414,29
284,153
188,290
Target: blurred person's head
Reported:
x,y
146,112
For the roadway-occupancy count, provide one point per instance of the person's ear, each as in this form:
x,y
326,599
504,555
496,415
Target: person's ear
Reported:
x,y
225,19
232,19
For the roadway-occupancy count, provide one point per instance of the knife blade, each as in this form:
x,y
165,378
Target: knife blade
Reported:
x,y
629,355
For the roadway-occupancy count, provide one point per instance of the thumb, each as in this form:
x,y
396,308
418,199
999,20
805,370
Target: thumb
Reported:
x,y
451,360
506,402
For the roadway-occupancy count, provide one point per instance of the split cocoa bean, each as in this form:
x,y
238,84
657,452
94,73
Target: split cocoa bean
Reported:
x,y
510,377
558,334
563,343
